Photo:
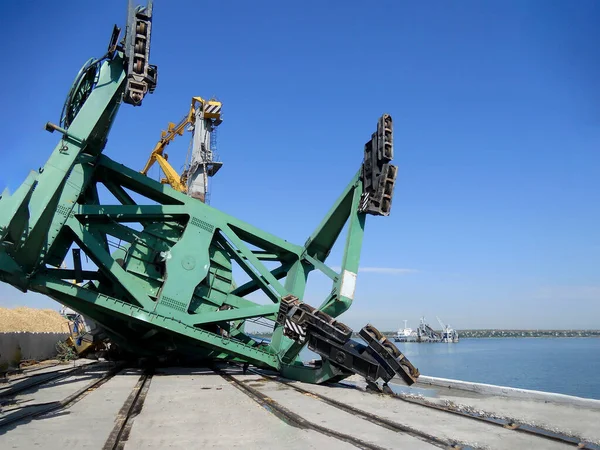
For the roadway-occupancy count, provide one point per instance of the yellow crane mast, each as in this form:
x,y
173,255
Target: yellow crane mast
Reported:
x,y
203,116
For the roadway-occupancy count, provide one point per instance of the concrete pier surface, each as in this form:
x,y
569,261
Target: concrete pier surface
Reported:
x,y
557,412
195,408
86,424
176,407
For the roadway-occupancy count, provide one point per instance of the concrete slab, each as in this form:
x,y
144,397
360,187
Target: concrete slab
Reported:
x,y
87,424
194,408
558,417
438,423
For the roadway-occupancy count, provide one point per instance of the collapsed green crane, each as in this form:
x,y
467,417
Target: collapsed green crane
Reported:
x,y
167,289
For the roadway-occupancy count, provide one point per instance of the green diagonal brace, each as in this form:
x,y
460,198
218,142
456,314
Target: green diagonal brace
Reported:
x,y
108,265
264,273
320,243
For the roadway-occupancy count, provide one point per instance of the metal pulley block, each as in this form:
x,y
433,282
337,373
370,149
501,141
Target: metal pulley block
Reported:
x,y
352,356
141,76
299,318
331,340
378,175
388,355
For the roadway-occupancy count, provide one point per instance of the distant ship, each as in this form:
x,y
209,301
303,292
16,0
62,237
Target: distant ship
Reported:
x,y
405,334
424,333
427,334
448,334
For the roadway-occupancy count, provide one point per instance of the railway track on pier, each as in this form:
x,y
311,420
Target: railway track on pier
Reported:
x,y
541,433
293,417
18,384
5,376
131,408
492,419
14,410
137,408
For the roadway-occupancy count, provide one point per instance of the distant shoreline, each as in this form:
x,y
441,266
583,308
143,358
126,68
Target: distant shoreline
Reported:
x,y
499,334
527,333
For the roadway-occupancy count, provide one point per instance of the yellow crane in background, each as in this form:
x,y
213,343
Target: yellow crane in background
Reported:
x,y
202,119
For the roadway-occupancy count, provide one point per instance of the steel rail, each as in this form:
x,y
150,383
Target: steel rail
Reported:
x,y
24,383
45,408
373,418
292,418
508,424
26,370
504,423
131,408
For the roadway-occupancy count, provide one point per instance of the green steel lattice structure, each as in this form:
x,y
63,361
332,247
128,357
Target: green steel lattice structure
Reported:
x,y
167,289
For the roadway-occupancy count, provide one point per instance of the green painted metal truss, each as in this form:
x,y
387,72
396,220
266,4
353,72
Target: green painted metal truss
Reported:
x,y
162,280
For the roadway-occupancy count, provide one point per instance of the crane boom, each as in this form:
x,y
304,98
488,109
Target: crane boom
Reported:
x,y
441,323
202,118
202,163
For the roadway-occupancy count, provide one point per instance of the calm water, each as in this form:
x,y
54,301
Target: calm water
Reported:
x,y
564,365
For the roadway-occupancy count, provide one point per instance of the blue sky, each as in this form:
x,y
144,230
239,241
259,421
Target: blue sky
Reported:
x,y
496,115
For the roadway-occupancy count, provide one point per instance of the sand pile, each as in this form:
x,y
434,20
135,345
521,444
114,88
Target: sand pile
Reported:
x,y
31,319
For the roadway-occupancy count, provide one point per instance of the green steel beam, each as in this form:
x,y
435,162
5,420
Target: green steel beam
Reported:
x,y
263,255
16,212
319,265
70,274
132,213
311,375
87,124
295,282
235,314
287,349
92,196
238,257
252,285
130,235
246,253
168,196
238,302
320,243
138,183
344,287
266,241
119,193
50,285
